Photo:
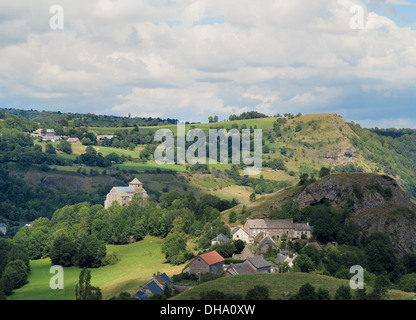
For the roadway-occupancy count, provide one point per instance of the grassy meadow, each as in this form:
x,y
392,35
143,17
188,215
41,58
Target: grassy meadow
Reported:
x,y
278,284
138,262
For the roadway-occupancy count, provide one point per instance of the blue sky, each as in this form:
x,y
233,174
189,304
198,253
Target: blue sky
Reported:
x,y
193,59
404,15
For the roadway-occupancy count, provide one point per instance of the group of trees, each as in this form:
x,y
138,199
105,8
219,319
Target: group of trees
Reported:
x,y
14,267
199,219
309,292
393,150
376,255
50,119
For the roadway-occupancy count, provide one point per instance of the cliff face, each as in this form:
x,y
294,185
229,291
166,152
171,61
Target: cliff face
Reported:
x,y
377,202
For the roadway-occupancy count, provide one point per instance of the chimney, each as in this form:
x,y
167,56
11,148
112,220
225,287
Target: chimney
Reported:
x,y
158,273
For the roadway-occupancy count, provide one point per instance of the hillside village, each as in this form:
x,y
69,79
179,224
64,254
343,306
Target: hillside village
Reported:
x,y
199,223
258,237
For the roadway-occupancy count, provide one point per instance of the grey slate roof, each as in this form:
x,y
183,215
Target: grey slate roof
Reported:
x,y
259,262
271,224
302,227
221,237
241,268
124,189
267,241
280,258
235,230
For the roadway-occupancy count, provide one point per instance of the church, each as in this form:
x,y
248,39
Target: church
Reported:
x,y
124,195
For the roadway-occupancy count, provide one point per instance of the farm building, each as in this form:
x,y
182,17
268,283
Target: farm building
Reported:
x,y
208,262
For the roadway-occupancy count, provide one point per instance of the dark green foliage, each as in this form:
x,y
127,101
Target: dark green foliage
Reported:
x,y
65,147
91,252
239,245
306,292
304,263
322,294
324,172
84,290
64,251
247,115
232,217
124,296
343,293
225,249
258,293
380,255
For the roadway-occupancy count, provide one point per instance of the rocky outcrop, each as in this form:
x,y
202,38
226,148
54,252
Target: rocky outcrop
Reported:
x,y
377,203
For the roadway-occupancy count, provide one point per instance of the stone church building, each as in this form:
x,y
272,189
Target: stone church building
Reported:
x,y
124,195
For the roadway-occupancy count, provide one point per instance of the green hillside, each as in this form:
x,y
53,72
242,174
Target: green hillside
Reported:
x,y
138,262
277,284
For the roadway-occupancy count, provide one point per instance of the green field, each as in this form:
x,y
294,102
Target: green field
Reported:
x,y
278,284
150,165
138,262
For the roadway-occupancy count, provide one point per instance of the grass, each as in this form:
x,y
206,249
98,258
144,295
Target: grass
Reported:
x,y
138,262
150,165
278,284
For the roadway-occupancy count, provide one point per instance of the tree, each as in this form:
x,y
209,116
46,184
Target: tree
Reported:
x,y
64,251
252,197
225,249
324,172
343,293
65,147
380,288
37,242
239,245
380,254
304,263
174,244
232,218
306,292
84,290
91,253
258,293
50,149
322,294
86,141
14,276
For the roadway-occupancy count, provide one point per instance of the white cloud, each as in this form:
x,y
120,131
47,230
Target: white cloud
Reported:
x,y
270,55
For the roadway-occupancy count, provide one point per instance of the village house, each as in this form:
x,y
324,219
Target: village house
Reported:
x,y
256,264
276,228
73,140
248,252
239,234
157,285
208,262
123,195
104,137
219,239
267,242
303,229
3,228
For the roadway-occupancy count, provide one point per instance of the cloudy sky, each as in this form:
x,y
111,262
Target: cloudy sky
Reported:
x,y
188,59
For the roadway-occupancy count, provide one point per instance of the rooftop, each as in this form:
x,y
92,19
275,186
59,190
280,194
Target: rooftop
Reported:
x,y
212,257
270,224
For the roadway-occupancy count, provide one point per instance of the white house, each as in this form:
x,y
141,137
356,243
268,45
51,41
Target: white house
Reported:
x,y
239,234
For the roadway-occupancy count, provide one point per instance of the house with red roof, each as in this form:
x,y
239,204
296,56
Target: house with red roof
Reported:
x,y
208,262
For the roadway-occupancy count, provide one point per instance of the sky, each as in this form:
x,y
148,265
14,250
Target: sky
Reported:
x,y
189,60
